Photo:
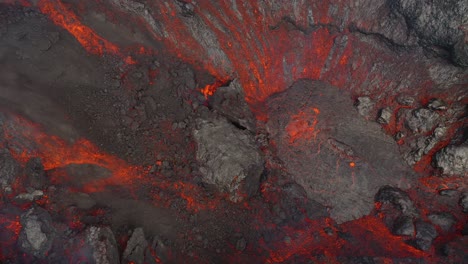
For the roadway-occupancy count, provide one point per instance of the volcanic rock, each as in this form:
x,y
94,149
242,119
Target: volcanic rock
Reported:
x,y
405,100
327,149
425,234
136,247
444,220
423,145
37,235
385,115
29,197
397,197
34,171
403,226
421,120
453,160
448,192
460,52
364,105
438,23
9,168
230,102
103,244
229,157
464,202
437,104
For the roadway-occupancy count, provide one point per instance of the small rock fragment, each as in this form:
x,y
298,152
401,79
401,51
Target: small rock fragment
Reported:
x,y
385,115
136,246
241,244
364,105
421,120
397,197
448,192
403,226
437,104
29,197
405,100
34,171
9,168
444,220
425,234
453,160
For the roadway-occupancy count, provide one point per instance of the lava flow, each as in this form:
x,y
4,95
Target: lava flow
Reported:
x,y
232,131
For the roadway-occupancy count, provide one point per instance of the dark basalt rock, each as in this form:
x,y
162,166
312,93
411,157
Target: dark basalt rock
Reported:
x,y
34,171
9,168
397,197
136,247
229,157
444,220
425,235
403,226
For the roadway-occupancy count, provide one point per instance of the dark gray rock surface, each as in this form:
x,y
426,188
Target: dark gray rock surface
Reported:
x,y
229,101
403,226
229,157
9,168
444,220
398,198
136,247
425,235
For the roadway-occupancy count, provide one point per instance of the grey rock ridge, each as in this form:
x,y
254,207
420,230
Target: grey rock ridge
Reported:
x,y
339,158
229,157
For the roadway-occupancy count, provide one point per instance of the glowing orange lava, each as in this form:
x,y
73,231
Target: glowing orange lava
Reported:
x,y
92,42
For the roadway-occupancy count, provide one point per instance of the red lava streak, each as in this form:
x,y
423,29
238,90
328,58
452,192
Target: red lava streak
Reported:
x,y
65,18
57,154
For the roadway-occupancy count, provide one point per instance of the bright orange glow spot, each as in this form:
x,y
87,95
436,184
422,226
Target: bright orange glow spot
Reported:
x,y
352,164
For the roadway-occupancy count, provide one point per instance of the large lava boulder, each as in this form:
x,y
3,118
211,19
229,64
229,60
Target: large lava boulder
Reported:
x,y
228,156
340,158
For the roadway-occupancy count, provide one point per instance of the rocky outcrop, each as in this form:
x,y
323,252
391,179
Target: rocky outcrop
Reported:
x,y
326,147
229,157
